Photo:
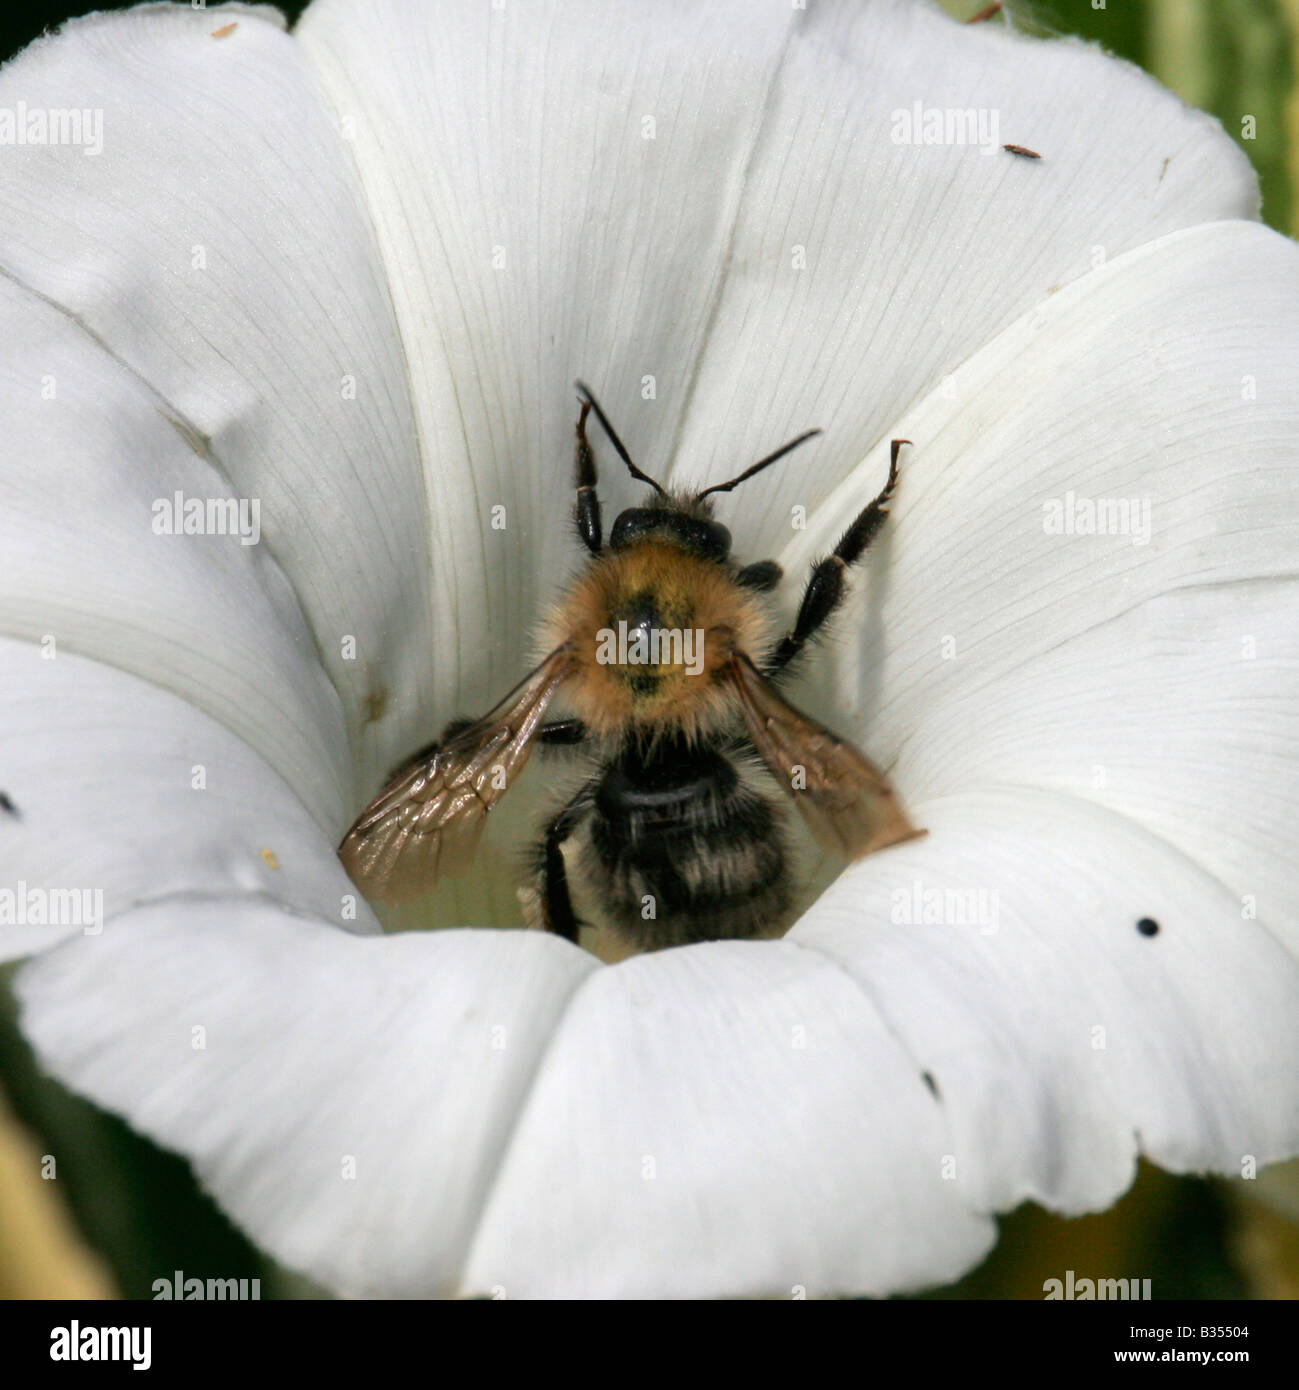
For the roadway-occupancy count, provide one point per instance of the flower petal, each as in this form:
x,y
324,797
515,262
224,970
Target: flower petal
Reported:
x,y
1147,676
645,231
1063,1037
124,790
356,1091
426,1044
205,616
734,1116
219,249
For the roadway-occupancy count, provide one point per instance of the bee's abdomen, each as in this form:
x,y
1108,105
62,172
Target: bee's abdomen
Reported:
x,y
686,850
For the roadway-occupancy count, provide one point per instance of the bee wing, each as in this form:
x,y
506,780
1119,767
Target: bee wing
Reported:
x,y
846,801
427,819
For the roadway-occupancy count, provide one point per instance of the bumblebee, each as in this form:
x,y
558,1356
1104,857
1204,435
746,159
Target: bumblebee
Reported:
x,y
663,658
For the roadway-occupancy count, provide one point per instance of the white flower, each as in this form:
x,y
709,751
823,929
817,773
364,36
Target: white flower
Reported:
x,y
351,274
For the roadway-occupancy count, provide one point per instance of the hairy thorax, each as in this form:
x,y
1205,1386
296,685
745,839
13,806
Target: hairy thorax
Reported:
x,y
651,628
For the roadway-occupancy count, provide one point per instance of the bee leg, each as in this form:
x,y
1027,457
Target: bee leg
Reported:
x,y
586,512
826,588
552,874
562,731
762,575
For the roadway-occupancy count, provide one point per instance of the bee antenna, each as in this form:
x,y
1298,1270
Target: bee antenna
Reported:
x,y
586,394
759,466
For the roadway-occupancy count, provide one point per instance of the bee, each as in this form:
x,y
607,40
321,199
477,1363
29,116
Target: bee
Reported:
x,y
664,654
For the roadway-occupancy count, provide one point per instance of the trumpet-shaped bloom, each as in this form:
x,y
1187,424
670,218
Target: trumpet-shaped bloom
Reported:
x,y
349,275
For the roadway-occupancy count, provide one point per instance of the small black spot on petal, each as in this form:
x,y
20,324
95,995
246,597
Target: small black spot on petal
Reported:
x,y
7,805
930,1082
1147,926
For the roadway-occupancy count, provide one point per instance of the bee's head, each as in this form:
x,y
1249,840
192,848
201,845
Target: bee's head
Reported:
x,y
686,520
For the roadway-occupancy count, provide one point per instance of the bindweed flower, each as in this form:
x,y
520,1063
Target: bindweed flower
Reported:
x,y
287,469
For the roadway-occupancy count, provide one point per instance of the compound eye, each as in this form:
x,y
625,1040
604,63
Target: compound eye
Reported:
x,y
631,525
709,538
722,539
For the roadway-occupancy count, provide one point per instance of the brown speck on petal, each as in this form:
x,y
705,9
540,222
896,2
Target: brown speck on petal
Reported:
x,y
375,704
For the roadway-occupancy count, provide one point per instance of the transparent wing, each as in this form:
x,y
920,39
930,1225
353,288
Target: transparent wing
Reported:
x,y
427,819
847,802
